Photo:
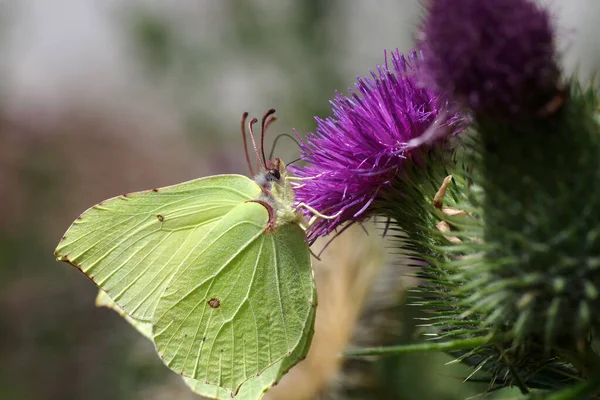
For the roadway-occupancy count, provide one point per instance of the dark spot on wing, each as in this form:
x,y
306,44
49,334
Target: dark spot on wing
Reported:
x,y
214,302
160,217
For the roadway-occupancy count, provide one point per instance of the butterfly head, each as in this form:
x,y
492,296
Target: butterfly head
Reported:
x,y
269,172
272,177
273,173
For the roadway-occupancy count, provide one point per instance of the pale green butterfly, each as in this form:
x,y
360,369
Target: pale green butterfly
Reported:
x,y
217,269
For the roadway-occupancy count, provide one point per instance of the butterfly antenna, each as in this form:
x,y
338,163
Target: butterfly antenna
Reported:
x,y
264,124
243,128
251,129
294,161
277,139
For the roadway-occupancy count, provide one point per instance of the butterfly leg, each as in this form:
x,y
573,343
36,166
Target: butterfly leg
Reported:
x,y
317,214
296,179
306,178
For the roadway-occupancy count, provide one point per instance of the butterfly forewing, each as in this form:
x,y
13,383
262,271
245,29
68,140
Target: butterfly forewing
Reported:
x,y
132,245
240,305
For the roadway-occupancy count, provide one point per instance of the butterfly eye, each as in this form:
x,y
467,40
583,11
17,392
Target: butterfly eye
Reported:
x,y
273,175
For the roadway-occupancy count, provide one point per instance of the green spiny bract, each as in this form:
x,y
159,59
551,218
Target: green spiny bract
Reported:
x,y
539,277
453,271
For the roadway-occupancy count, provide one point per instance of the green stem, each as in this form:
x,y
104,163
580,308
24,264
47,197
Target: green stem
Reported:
x,y
582,390
461,344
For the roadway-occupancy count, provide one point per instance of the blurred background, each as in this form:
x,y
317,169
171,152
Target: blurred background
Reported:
x,y
103,97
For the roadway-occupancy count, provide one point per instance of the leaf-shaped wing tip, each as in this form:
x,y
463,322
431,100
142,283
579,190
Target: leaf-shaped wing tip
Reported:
x,y
104,300
65,258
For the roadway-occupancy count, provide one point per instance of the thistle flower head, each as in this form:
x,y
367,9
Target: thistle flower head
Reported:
x,y
491,55
377,130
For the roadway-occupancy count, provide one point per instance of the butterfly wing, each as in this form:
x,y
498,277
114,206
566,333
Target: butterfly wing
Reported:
x,y
252,389
240,306
132,245
104,300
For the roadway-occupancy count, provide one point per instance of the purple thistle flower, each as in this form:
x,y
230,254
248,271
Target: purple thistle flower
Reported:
x,y
494,56
375,131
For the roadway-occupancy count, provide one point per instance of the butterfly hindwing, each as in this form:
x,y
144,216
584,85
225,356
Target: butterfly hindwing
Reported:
x,y
132,245
253,388
241,305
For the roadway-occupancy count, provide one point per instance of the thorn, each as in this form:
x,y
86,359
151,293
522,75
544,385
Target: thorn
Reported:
x,y
444,227
453,212
438,199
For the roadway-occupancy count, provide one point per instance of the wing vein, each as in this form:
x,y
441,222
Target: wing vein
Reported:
x,y
276,265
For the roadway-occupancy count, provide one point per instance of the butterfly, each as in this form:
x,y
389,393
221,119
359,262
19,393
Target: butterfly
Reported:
x,y
216,271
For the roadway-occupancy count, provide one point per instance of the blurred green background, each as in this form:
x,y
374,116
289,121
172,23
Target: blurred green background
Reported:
x,y
99,98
